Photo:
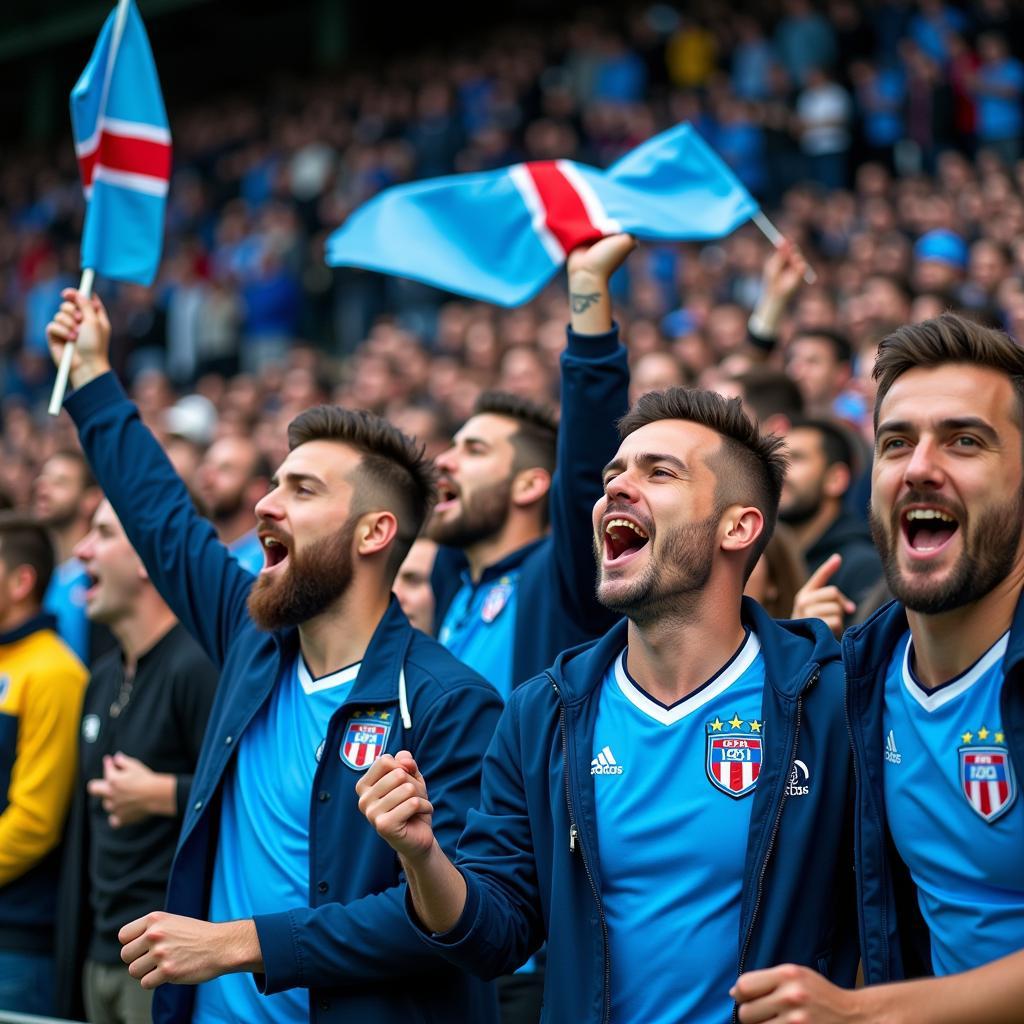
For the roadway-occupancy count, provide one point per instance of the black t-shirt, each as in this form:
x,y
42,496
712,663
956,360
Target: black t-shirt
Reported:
x,y
161,722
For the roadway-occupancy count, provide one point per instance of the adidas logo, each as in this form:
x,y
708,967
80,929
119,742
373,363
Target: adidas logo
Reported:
x,y
605,763
892,755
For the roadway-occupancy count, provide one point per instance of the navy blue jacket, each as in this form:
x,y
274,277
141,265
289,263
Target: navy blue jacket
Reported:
x,y
352,946
894,938
556,605
529,855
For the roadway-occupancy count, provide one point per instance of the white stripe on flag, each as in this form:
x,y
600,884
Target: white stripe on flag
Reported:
x,y
993,796
538,218
127,129
594,207
136,182
974,792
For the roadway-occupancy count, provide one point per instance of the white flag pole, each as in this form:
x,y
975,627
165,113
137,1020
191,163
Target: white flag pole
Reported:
x,y
60,385
775,236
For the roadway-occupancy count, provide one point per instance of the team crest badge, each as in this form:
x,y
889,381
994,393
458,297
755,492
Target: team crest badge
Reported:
x,y
496,599
364,738
734,749
987,780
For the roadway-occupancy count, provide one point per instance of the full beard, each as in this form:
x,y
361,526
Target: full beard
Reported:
x,y
314,579
484,515
987,553
670,585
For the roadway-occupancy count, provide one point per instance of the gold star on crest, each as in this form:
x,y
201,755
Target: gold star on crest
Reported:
x,y
736,722
983,733
755,726
716,725
385,715
357,714
1000,737
967,737
372,713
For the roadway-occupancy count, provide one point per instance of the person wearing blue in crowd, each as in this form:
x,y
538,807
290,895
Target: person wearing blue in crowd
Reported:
x,y
514,578
670,804
279,907
935,698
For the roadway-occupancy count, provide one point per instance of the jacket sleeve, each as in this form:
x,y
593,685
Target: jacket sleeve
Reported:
x,y
595,394
502,922
44,769
194,573
371,937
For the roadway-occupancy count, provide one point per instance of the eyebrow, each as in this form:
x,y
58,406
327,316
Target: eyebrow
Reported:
x,y
949,425
645,459
296,478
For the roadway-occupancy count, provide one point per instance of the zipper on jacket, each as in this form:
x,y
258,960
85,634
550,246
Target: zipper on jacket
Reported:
x,y
772,837
573,839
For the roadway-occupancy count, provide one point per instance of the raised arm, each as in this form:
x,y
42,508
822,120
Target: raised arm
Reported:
x,y
192,570
595,394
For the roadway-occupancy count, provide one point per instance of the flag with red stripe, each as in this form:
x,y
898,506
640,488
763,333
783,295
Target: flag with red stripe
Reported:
x,y
500,235
123,145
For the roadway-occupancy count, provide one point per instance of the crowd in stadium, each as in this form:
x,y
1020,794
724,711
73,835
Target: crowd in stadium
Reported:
x,y
886,141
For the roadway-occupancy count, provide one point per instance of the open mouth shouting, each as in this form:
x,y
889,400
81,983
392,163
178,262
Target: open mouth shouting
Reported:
x,y
927,530
447,494
275,552
623,538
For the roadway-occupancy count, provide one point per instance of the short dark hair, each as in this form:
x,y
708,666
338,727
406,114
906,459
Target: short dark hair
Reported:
x,y
842,350
535,441
770,392
25,541
949,338
747,456
835,442
75,456
394,468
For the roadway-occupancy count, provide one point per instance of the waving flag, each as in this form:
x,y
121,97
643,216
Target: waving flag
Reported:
x,y
123,146
500,235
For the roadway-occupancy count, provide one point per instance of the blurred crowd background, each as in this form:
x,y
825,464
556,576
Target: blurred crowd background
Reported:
x,y
884,139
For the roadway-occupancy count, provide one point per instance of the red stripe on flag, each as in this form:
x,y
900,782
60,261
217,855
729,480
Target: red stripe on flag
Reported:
x,y
736,777
130,155
564,213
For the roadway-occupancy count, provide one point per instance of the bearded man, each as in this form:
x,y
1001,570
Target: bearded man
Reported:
x,y
280,908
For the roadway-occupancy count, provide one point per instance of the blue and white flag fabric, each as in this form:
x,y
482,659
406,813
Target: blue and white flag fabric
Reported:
x,y
500,235
123,144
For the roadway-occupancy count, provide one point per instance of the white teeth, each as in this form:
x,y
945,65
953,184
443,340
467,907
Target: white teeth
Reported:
x,y
269,542
625,522
929,513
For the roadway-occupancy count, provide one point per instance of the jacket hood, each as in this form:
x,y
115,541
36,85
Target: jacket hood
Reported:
x,y
790,650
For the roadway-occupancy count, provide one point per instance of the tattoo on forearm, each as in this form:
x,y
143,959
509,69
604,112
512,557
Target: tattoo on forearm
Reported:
x,y
581,302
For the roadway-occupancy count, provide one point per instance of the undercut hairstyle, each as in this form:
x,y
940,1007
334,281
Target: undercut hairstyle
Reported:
x,y
393,473
750,466
835,442
25,541
535,441
769,392
842,350
945,339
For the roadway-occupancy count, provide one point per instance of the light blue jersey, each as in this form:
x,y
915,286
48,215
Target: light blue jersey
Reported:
x,y
248,552
262,862
479,627
672,787
65,598
953,808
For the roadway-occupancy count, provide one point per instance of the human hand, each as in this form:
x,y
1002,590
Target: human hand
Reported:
x,y
784,272
160,948
82,322
131,792
817,599
793,995
393,798
589,268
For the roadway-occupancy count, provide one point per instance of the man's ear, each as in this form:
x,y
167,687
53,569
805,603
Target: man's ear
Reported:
x,y
529,486
375,531
22,583
837,480
741,526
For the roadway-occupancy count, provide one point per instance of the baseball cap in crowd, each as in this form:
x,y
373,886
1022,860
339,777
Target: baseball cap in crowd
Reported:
x,y
194,418
942,246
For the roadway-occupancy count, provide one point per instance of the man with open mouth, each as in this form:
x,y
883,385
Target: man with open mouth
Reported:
x,y
936,697
280,911
670,804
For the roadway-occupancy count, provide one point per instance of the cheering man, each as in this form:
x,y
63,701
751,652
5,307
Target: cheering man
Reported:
x,y
320,674
669,804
